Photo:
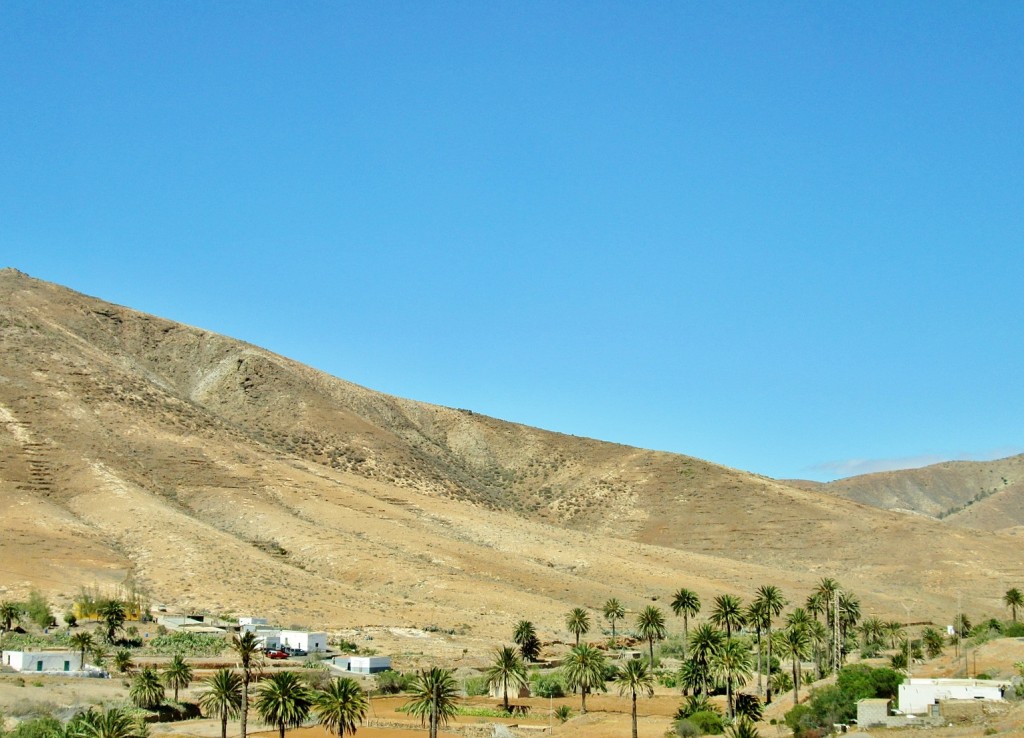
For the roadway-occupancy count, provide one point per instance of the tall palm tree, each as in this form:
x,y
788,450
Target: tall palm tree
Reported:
x,y
177,674
525,637
113,616
727,613
613,610
826,593
584,670
434,697
815,604
146,690
819,638
96,723
506,670
82,642
793,643
578,622
635,678
756,616
705,641
685,602
650,625
340,705
849,616
771,599
731,664
283,700
10,613
223,696
1013,599
248,648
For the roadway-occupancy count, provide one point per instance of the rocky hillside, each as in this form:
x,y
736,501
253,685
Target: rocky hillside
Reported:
x,y
223,476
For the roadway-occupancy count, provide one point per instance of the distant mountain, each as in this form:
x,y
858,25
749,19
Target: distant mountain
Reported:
x,y
979,494
220,476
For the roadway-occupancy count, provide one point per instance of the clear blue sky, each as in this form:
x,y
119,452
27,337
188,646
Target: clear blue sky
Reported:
x,y
785,237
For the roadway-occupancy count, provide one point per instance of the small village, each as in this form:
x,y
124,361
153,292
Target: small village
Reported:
x,y
154,672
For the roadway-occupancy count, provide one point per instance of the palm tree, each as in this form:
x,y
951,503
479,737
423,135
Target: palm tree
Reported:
x,y
95,723
849,615
894,629
650,625
525,637
727,613
704,643
742,728
584,670
10,613
731,664
82,642
223,696
433,698
578,622
506,670
690,676
635,678
283,700
123,661
1013,599
872,632
177,675
613,610
819,637
685,602
793,644
770,597
113,616
826,595
756,616
146,691
248,648
340,705
933,642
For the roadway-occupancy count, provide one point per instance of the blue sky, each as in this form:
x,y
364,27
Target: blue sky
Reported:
x,y
785,237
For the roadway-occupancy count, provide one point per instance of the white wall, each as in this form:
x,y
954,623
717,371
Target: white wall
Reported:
x,y
45,662
917,696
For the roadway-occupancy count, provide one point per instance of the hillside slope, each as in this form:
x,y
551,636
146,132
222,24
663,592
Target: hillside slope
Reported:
x,y
225,477
988,495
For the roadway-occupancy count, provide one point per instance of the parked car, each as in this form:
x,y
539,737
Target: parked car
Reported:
x,y
273,653
295,651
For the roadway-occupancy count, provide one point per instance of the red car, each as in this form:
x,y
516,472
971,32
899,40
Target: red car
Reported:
x,y
273,653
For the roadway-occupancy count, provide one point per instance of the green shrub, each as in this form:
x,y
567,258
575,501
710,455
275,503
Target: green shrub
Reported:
x,y
563,713
40,727
685,729
749,706
708,722
476,686
547,685
393,682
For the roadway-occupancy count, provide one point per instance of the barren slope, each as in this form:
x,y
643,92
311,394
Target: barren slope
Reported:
x,y
225,477
988,495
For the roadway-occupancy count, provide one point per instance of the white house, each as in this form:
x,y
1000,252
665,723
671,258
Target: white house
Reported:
x,y
363,664
300,640
303,640
251,621
44,662
917,696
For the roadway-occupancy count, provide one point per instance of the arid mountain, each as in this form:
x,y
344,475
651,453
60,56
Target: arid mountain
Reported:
x,y
224,477
988,495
